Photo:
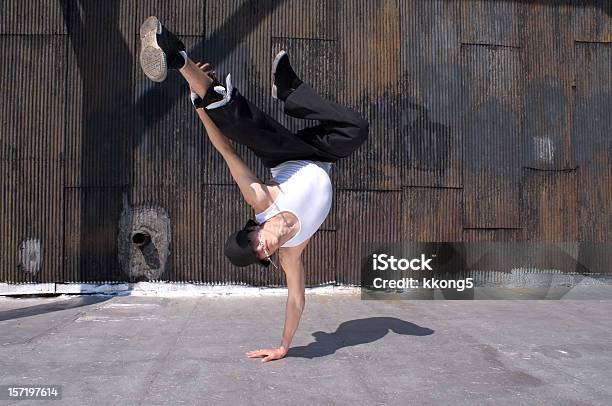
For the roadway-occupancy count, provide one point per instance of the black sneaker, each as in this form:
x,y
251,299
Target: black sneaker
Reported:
x,y
160,50
284,79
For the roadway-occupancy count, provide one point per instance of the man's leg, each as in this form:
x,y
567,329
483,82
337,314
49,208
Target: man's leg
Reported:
x,y
242,122
239,119
341,131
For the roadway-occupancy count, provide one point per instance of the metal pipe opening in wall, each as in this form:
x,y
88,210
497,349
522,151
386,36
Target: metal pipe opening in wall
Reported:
x,y
140,239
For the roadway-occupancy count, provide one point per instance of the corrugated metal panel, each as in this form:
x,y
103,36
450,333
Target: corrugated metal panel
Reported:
x,y
185,206
170,153
100,123
433,98
592,143
492,135
431,214
592,20
33,213
90,232
320,259
549,76
315,19
33,97
549,205
492,22
32,132
183,17
23,17
367,217
369,72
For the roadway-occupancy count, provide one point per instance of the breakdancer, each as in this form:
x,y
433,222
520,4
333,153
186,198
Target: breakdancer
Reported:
x,y
290,208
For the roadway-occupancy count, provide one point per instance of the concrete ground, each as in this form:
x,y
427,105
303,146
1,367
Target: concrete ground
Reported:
x,y
126,350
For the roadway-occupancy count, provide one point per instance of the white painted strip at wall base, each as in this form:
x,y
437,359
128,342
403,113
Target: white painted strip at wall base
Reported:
x,y
164,289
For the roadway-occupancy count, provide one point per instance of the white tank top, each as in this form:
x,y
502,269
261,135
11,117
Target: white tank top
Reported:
x,y
304,190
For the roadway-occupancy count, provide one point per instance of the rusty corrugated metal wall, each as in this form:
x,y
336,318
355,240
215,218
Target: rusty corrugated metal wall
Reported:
x,y
491,120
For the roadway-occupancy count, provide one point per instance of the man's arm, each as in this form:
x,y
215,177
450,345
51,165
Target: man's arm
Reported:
x,y
294,273
257,194
291,261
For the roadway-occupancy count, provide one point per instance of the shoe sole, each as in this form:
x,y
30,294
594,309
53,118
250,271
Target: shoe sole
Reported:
x,y
152,57
274,66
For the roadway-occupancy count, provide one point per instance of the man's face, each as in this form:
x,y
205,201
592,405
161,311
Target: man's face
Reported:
x,y
262,242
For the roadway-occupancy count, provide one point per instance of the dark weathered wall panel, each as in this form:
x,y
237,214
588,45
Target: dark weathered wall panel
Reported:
x,y
592,20
23,17
90,231
433,95
492,136
186,16
488,22
592,140
364,220
369,72
34,212
185,206
549,205
99,95
320,259
32,134
33,82
431,214
549,76
313,19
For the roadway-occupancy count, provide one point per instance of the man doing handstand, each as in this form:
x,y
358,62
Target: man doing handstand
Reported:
x,y
290,208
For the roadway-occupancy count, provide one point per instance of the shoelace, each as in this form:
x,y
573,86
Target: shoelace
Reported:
x,y
226,92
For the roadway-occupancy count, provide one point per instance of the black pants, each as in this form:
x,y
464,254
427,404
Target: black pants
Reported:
x,y
340,132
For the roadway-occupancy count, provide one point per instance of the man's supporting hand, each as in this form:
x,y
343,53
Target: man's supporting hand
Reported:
x,y
269,354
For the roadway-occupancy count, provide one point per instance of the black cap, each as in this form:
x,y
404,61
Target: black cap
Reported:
x,y
238,250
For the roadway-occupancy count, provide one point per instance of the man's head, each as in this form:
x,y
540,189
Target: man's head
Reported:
x,y
250,245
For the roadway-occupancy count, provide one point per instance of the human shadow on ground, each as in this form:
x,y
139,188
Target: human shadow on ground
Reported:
x,y
52,307
355,332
